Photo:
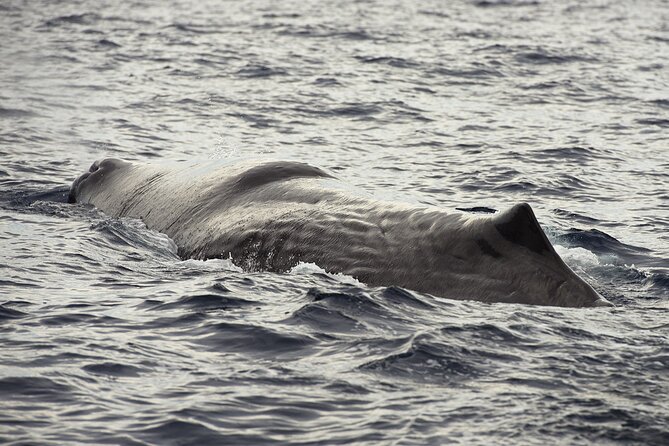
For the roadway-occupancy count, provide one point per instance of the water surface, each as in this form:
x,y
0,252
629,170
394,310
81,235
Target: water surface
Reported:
x,y
108,337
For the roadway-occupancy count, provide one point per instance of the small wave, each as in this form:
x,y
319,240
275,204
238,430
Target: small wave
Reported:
x,y
71,319
574,216
74,19
324,319
27,195
434,13
133,233
424,359
542,57
193,28
603,245
545,85
664,103
654,121
562,153
522,186
325,32
113,369
171,322
397,297
395,62
283,15
327,82
253,340
207,302
352,35
658,282
17,283
355,111
358,302
469,73
177,431
106,43
505,3
539,383
260,71
474,128
611,270
35,387
487,333
10,313
16,113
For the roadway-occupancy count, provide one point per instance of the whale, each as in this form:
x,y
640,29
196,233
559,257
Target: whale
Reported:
x,y
270,215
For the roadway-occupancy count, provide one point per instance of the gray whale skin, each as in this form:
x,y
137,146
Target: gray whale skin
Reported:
x,y
271,215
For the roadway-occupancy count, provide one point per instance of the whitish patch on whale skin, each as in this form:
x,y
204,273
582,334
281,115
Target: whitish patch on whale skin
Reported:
x,y
273,215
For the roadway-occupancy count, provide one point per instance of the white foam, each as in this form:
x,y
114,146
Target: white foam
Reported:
x,y
312,268
214,265
146,237
577,256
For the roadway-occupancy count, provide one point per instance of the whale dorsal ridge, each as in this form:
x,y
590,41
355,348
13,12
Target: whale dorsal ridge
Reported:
x,y
519,225
276,171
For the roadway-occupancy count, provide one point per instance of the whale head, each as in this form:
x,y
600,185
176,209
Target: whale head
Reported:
x,y
88,183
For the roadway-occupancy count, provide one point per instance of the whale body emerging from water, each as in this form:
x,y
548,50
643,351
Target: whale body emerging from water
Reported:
x,y
272,215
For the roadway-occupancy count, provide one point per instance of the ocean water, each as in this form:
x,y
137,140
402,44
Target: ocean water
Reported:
x,y
108,337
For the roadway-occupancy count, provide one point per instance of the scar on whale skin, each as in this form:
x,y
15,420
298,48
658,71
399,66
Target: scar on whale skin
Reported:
x,y
270,216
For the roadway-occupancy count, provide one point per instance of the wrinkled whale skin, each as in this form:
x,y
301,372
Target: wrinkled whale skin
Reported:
x,y
271,215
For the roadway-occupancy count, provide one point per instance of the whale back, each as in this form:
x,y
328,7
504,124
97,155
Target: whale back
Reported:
x,y
271,215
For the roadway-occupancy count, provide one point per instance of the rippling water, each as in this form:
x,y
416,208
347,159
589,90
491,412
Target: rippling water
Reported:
x,y
108,337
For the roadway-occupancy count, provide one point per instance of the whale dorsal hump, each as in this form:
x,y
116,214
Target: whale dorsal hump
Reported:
x,y
519,225
276,171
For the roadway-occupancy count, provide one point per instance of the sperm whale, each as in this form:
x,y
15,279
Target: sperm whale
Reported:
x,y
271,215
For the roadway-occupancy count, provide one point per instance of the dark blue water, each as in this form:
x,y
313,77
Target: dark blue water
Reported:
x,y
107,337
